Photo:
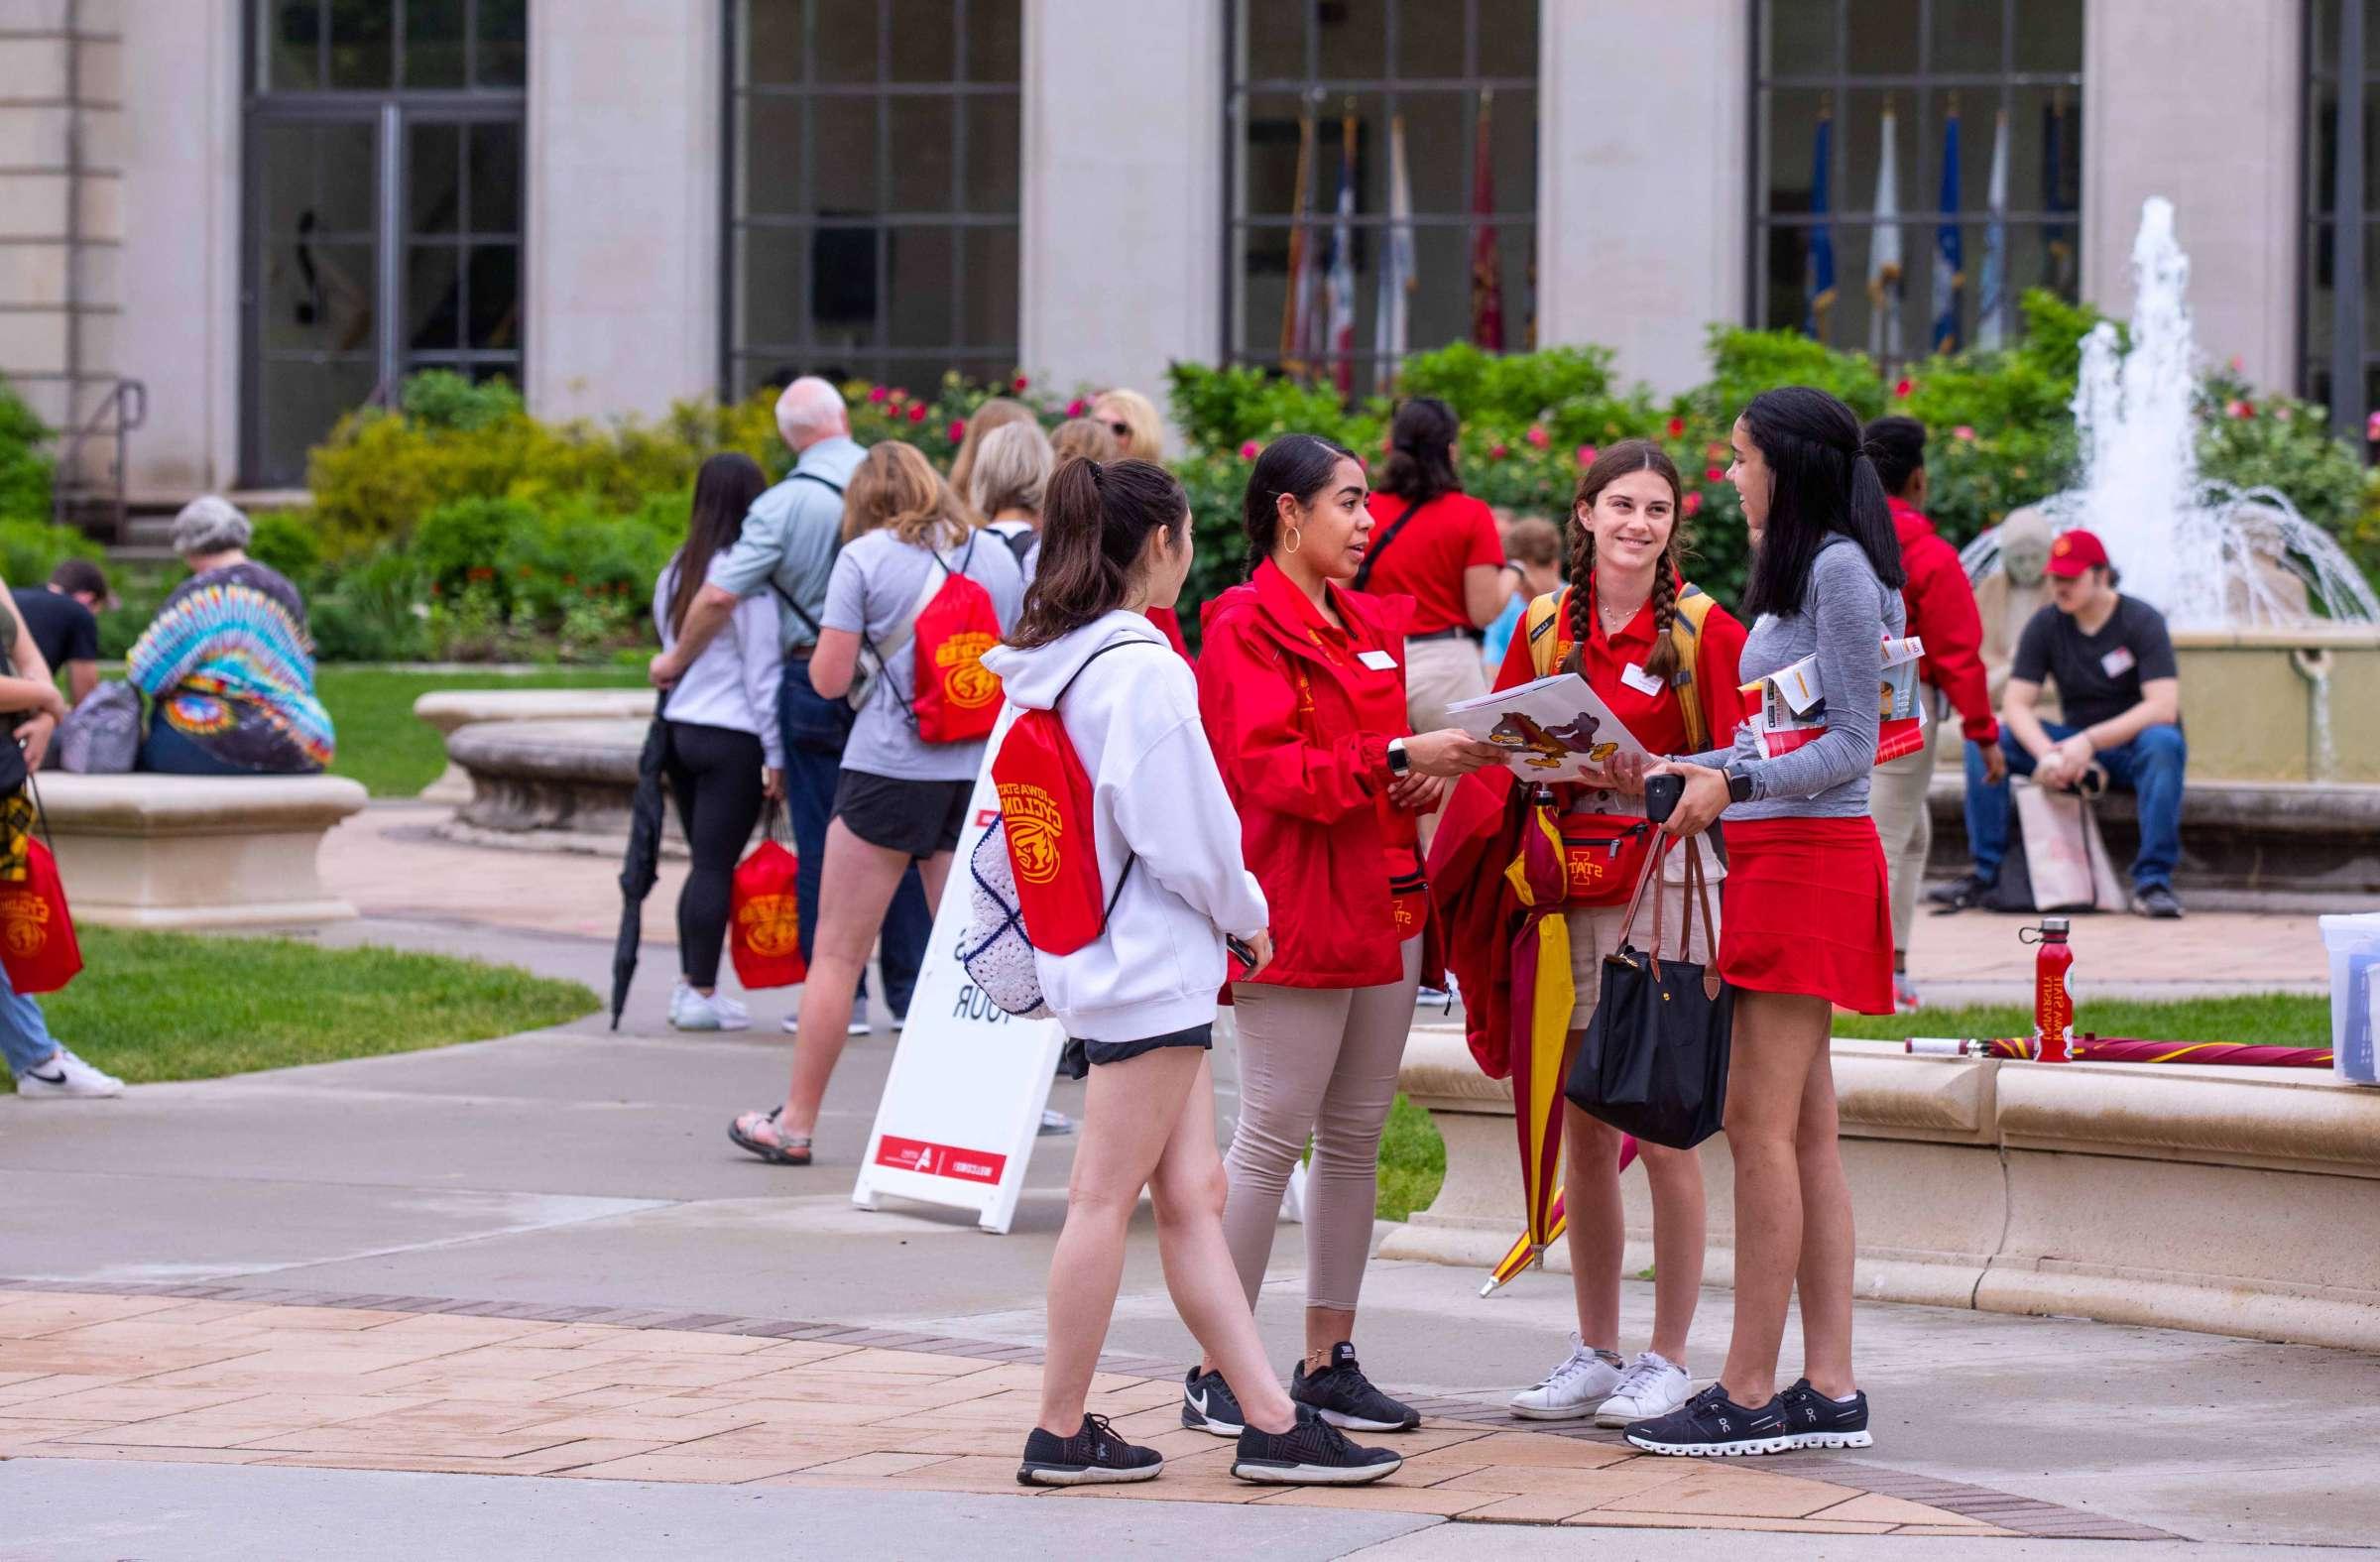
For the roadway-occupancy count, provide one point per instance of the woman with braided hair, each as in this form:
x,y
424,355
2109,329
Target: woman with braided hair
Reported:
x,y
1662,657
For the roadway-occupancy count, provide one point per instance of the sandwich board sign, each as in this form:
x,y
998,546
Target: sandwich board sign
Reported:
x,y
963,1104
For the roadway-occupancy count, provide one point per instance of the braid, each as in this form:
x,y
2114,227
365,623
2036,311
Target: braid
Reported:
x,y
1582,583
1662,660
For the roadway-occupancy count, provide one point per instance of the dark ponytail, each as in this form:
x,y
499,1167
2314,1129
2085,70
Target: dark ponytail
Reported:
x,y
1823,482
1300,465
1094,526
1419,467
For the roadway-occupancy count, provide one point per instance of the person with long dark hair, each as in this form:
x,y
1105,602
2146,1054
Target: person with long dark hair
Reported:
x,y
726,754
1808,921
1662,657
1138,1002
1301,684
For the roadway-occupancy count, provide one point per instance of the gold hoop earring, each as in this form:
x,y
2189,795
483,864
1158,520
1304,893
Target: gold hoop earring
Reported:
x,y
1298,539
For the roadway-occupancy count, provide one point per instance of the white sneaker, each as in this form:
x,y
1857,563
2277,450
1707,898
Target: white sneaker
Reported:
x,y
1572,1391
1653,1385
731,1011
691,1010
859,1025
66,1076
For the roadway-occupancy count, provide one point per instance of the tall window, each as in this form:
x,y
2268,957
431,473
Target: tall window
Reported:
x,y
382,207
1855,103
2340,294
873,189
1330,93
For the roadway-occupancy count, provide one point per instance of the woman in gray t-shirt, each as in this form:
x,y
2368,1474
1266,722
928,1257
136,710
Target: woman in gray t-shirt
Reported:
x,y
1807,921
901,798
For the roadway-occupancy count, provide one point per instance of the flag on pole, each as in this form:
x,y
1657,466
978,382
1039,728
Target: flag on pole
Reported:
x,y
1884,249
1820,287
1487,261
2056,198
1396,267
1341,344
1297,298
1950,259
1991,294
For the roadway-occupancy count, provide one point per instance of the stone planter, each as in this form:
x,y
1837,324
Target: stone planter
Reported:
x,y
449,710
550,786
2231,1201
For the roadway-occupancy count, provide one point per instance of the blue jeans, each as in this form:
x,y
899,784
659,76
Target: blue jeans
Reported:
x,y
2149,767
813,729
25,1039
165,752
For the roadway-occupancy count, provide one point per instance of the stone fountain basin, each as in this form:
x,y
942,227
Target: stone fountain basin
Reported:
x,y
551,786
2233,1201
2253,713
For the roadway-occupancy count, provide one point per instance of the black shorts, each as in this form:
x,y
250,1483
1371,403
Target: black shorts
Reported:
x,y
914,817
1079,1056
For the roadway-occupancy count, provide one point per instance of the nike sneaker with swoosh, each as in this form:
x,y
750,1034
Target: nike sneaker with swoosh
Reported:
x,y
1208,1405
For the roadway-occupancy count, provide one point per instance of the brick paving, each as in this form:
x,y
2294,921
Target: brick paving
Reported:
x,y
263,1376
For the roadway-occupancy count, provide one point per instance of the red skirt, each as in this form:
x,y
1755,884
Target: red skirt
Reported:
x,y
1808,909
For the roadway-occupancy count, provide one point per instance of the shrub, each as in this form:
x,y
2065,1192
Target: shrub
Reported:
x,y
442,399
31,549
289,541
25,466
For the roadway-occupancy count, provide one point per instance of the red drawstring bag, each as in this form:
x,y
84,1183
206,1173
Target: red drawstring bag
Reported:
x,y
957,697
764,917
37,936
1045,812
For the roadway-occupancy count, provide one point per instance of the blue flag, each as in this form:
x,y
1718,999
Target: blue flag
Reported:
x,y
1948,263
1819,285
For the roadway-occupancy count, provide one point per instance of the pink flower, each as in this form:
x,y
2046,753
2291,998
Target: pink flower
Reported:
x,y
877,393
1250,451
2371,428
1677,427
1587,452
1077,407
1714,474
2282,413
897,396
1903,389
958,430
2240,410
2237,364
1715,450
1497,451
1693,502
917,411
1019,383
1963,431
1537,437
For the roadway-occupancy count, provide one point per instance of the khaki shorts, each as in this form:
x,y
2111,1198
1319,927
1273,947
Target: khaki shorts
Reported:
x,y
1595,933
1438,672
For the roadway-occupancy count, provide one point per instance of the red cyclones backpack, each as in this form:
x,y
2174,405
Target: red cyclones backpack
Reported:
x,y
957,697
1045,813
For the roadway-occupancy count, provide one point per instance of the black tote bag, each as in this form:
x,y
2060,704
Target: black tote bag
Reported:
x,y
1654,1061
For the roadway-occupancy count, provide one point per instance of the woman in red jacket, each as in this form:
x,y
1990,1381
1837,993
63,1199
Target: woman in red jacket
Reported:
x,y
1301,684
1662,657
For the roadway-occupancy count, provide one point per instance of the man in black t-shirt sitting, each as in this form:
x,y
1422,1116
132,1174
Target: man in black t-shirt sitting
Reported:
x,y
2121,696
61,618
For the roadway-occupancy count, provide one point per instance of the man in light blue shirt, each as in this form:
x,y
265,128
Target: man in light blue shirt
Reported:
x,y
787,548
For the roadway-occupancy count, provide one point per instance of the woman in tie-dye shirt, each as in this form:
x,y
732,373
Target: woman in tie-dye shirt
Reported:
x,y
228,662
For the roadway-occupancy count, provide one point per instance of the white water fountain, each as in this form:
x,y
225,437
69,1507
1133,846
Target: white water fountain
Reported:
x,y
2208,555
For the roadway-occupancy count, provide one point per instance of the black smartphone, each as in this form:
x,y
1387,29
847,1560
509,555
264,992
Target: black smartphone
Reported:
x,y
1661,795
1241,953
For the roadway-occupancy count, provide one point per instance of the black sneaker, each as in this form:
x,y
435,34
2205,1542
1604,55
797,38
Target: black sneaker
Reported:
x,y
1341,1396
1711,1425
2158,901
1208,1405
1817,1421
1094,1456
1311,1453
1972,890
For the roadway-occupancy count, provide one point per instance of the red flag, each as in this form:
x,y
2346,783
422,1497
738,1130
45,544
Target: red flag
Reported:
x,y
1487,261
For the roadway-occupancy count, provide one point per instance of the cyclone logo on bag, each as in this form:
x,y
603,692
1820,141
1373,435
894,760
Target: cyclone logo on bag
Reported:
x,y
966,681
1034,831
769,925
24,925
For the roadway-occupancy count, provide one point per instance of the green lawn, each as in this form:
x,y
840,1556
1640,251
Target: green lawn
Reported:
x,y
1413,1158
394,753
175,1006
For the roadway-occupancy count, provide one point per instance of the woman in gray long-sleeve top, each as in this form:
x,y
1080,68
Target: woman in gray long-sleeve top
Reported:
x,y
1807,921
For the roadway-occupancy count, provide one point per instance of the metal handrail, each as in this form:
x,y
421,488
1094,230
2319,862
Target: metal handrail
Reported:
x,y
122,410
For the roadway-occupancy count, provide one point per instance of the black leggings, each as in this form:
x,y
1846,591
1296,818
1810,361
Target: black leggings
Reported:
x,y
715,775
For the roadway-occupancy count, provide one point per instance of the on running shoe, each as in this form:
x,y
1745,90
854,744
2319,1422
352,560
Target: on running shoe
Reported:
x,y
1711,1425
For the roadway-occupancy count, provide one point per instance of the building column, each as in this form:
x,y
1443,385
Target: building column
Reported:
x,y
2199,101
1121,254
1643,180
620,282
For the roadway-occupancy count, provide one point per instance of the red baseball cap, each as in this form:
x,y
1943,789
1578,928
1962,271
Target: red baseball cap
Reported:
x,y
2072,553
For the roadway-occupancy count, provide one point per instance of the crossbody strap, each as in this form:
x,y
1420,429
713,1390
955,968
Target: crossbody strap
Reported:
x,y
906,629
785,596
1129,857
1371,555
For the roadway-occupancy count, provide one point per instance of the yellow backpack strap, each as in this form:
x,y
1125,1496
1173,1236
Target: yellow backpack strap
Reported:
x,y
1686,633
1543,624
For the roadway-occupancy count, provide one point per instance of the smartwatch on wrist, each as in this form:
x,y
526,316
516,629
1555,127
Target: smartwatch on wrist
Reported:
x,y
1739,786
1400,764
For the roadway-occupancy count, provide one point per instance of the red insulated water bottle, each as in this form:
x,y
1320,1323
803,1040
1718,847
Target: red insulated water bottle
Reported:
x,y
2053,1006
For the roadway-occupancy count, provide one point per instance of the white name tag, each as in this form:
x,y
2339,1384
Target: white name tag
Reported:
x,y
2117,663
1641,681
1378,661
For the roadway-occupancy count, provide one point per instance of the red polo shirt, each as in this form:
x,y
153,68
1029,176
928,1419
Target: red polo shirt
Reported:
x,y
1426,558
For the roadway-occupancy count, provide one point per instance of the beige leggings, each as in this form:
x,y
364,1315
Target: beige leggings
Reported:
x,y
1319,1061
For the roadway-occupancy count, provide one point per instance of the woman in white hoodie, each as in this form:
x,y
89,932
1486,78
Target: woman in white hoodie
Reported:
x,y
1138,1002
